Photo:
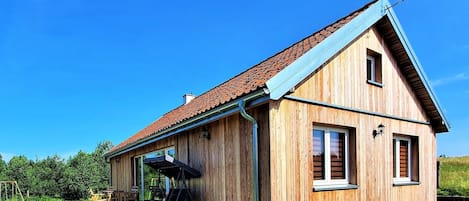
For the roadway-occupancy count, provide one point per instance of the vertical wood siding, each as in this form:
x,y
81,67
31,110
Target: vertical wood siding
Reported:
x,y
342,81
225,160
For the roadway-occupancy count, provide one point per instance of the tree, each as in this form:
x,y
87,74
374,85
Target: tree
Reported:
x,y
78,177
102,167
20,169
3,168
55,177
85,171
46,177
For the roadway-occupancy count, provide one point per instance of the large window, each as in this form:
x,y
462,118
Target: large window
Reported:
x,y
145,176
405,159
330,156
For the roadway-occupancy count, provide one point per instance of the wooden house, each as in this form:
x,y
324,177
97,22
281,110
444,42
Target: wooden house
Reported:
x,y
344,114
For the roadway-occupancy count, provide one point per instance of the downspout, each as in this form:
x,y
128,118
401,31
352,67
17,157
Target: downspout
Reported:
x,y
255,161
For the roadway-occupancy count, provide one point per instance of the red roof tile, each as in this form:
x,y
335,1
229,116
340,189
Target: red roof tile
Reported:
x,y
244,83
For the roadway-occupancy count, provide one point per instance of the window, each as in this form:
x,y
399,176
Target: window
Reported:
x,y
373,68
145,176
405,159
330,156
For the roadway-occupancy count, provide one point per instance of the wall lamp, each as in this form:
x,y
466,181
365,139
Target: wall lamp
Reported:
x,y
205,133
378,131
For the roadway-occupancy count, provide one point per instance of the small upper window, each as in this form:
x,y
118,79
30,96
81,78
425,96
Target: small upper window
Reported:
x,y
373,67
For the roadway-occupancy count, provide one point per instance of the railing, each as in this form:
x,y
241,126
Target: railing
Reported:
x,y
9,190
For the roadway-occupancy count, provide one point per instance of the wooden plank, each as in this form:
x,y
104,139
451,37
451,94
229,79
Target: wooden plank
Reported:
x,y
342,81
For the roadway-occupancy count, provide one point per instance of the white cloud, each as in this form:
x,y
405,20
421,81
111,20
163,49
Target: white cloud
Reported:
x,y
447,80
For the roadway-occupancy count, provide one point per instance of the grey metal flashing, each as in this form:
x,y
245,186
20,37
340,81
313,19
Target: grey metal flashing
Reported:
x,y
280,84
297,71
413,58
408,183
334,188
319,103
253,99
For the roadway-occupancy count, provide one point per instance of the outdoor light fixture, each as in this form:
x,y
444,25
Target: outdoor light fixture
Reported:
x,y
379,130
205,133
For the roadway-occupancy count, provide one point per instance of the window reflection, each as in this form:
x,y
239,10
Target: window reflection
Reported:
x,y
146,176
318,154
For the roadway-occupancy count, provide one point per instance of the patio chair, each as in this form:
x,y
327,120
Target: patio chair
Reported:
x,y
96,196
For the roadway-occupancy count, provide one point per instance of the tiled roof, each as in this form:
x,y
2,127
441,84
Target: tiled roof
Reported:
x,y
244,83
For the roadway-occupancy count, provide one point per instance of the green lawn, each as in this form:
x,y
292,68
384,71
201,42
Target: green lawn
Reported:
x,y
454,176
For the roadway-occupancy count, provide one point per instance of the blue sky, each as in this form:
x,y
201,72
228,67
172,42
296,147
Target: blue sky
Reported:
x,y
77,72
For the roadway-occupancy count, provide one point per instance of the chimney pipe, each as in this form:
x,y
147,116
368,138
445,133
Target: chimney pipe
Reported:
x,y
187,98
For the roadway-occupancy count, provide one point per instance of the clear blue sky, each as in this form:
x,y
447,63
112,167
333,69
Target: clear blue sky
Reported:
x,y
77,72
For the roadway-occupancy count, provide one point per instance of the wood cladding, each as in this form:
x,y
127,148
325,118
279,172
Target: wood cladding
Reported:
x,y
225,160
373,171
342,81
289,157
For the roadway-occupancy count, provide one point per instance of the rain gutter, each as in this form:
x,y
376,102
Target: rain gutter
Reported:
x,y
253,99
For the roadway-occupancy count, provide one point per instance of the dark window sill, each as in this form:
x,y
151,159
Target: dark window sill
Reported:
x,y
375,83
334,187
406,183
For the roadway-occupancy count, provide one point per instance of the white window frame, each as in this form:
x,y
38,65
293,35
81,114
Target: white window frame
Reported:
x,y
397,164
140,159
327,181
373,67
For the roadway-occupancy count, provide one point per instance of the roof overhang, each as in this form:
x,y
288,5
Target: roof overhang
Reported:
x,y
378,13
252,99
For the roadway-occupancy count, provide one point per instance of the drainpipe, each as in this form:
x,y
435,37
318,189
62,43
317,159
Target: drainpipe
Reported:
x,y
255,161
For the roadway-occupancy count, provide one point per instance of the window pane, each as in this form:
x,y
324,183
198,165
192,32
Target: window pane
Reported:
x,y
403,158
318,155
137,171
172,152
337,155
151,177
369,69
138,174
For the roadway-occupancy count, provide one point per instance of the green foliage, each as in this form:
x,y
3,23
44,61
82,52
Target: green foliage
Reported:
x,y
3,168
47,175
454,176
79,176
20,169
54,179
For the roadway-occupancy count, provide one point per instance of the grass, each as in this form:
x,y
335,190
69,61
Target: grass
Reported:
x,y
34,198
43,199
454,176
